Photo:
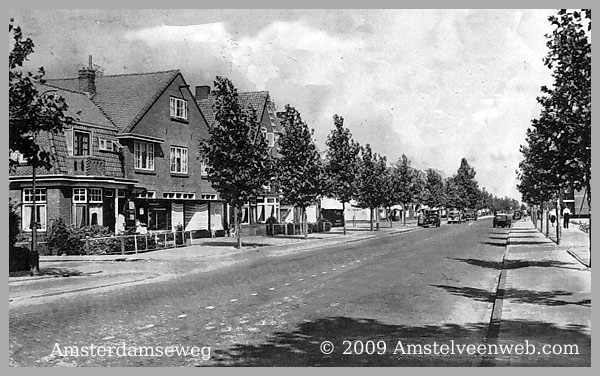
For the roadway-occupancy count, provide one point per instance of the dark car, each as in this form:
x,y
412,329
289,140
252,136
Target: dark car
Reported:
x,y
335,216
429,218
502,220
455,216
517,215
470,215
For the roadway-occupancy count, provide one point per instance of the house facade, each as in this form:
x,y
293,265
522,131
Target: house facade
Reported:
x,y
131,160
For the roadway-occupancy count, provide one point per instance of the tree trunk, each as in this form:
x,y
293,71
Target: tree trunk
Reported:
x,y
389,215
344,216
238,227
589,200
404,213
371,216
547,219
558,218
305,223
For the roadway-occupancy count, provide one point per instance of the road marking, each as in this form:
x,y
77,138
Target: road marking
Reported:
x,y
333,269
314,275
357,260
287,284
323,272
233,300
107,338
210,307
301,279
147,326
254,294
181,316
343,266
272,288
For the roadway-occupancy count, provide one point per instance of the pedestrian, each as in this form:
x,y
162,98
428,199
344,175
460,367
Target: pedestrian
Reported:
x,y
566,215
552,215
34,262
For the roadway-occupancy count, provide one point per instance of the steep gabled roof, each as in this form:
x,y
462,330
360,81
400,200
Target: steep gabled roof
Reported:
x,y
124,98
254,99
79,106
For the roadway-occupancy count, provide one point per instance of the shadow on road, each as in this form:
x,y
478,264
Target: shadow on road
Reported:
x,y
514,264
547,298
301,346
494,244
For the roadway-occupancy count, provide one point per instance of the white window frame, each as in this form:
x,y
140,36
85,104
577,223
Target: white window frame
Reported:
x,y
95,192
105,144
27,204
183,156
138,155
270,137
78,195
178,108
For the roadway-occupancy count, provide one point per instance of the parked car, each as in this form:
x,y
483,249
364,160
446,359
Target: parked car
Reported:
x,y
429,218
334,216
502,220
455,216
470,215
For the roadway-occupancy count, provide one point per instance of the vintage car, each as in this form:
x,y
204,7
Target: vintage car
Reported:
x,y
502,220
470,215
429,218
455,216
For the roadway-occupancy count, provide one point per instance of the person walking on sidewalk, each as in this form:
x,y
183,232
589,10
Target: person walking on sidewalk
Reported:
x,y
566,215
552,215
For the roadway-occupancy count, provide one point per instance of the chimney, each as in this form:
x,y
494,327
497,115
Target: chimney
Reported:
x,y
87,79
202,92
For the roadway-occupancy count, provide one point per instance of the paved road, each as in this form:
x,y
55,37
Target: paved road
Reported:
x,y
424,287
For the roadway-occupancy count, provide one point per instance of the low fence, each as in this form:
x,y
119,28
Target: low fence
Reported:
x,y
274,229
135,243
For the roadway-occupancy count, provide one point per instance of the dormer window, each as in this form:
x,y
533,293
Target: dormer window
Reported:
x,y
81,143
270,139
178,108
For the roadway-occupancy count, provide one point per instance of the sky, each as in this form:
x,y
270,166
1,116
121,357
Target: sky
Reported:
x,y
435,85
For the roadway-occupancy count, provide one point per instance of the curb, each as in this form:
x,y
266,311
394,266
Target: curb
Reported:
x,y
135,257
578,259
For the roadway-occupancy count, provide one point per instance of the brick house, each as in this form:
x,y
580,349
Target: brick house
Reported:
x,y
260,208
137,142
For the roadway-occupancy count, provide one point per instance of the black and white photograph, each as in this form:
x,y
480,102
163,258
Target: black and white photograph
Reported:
x,y
299,187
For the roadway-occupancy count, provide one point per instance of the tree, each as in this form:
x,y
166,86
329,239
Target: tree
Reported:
x,y
434,190
238,164
558,154
468,187
406,186
30,112
300,171
371,180
342,164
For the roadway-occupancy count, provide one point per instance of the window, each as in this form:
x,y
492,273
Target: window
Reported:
x,y
81,143
105,145
79,195
178,108
203,166
87,206
144,156
270,139
147,194
95,195
179,160
208,197
27,209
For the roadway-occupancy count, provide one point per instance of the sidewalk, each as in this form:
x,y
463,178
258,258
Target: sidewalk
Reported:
x,y
545,297
73,274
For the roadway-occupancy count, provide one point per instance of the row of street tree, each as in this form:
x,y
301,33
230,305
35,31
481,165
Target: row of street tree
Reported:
x,y
239,167
557,156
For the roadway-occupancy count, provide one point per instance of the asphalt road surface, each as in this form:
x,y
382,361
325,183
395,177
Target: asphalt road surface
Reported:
x,y
370,300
